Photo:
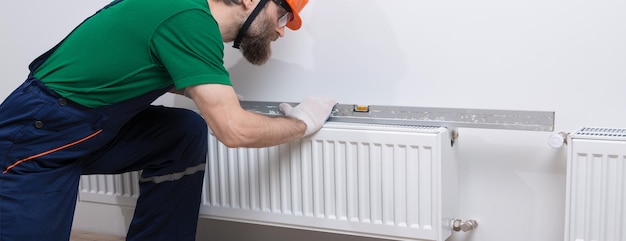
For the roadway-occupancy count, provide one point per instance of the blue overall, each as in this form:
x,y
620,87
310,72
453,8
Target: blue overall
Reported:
x,y
47,142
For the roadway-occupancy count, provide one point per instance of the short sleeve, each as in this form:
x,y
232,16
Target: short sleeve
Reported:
x,y
189,46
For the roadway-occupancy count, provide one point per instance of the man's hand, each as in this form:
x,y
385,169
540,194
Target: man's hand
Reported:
x,y
313,111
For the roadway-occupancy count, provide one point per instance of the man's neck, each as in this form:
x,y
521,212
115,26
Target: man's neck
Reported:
x,y
228,17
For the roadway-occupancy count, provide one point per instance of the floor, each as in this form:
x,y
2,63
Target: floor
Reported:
x,y
88,236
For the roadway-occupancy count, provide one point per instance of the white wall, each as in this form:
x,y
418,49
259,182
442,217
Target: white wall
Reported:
x,y
552,55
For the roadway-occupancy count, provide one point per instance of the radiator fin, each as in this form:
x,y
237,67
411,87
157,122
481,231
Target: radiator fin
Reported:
x,y
327,179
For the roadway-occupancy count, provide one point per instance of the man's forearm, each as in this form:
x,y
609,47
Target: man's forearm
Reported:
x,y
263,131
236,127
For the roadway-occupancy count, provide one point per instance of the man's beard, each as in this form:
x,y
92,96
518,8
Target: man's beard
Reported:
x,y
256,45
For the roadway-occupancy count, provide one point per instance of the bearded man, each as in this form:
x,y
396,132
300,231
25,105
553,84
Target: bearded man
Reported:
x,y
85,108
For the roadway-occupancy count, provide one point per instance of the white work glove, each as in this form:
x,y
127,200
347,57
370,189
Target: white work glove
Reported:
x,y
313,111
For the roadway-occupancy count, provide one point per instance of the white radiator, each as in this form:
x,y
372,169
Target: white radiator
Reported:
x,y
394,182
385,181
596,185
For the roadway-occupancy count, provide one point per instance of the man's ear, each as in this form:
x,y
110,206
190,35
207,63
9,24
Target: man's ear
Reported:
x,y
249,4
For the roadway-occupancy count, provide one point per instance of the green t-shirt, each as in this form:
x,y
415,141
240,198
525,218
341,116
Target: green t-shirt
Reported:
x,y
134,47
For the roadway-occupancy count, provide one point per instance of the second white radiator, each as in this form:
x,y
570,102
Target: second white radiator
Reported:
x,y
596,185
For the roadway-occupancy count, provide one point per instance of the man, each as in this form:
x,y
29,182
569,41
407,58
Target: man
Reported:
x,y
85,109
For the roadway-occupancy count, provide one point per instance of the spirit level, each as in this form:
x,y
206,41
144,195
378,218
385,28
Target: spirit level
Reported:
x,y
421,116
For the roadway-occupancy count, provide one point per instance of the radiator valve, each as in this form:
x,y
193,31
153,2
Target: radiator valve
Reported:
x,y
469,225
557,140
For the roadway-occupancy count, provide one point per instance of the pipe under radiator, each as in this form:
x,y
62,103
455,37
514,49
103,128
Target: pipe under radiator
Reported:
x,y
465,226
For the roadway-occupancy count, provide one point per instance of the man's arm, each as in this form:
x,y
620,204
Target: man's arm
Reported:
x,y
236,127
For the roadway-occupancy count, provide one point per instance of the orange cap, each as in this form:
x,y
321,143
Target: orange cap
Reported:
x,y
296,7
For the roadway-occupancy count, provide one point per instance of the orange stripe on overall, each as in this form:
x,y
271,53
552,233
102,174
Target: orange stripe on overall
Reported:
x,y
51,151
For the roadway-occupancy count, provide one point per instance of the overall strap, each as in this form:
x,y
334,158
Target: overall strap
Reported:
x,y
42,58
